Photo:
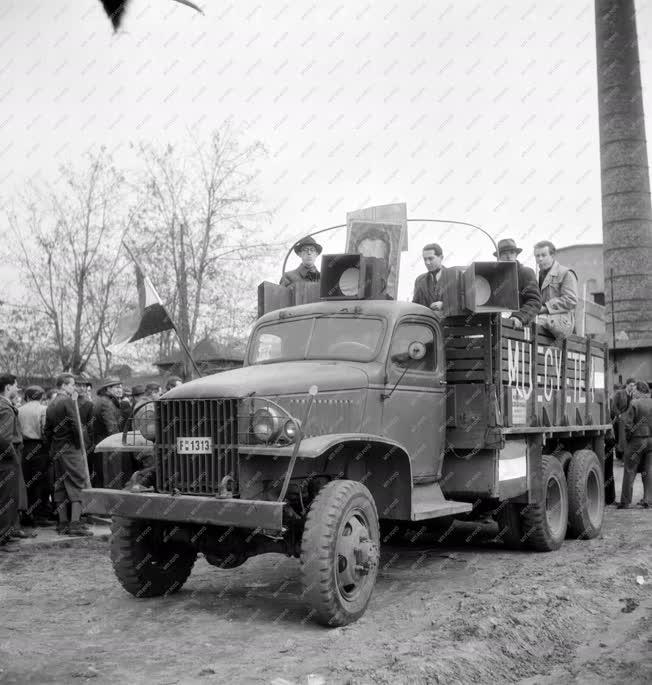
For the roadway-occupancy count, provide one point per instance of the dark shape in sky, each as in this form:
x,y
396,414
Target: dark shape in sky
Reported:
x,y
115,9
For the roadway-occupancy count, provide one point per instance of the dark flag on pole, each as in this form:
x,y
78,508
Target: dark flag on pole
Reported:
x,y
148,318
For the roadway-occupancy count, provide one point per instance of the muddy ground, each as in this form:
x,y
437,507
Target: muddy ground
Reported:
x,y
452,612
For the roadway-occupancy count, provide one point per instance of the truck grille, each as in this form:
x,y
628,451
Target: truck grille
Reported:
x,y
196,473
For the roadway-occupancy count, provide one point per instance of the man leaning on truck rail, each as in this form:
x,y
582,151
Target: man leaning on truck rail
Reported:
x,y
558,286
529,295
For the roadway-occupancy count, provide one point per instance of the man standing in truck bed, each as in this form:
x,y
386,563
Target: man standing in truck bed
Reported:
x,y
308,249
529,295
428,289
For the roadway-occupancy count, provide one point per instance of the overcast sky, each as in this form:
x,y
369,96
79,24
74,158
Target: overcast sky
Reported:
x,y
483,112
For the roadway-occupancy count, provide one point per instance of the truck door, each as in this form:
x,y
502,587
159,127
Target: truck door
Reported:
x,y
414,413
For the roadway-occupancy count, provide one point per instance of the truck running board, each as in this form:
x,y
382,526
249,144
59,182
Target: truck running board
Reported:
x,y
428,502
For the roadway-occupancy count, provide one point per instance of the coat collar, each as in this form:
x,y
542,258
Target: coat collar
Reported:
x,y
9,404
554,271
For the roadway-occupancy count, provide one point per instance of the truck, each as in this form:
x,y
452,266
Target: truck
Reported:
x,y
354,416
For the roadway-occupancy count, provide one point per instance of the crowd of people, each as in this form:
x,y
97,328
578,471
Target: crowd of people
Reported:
x,y
47,438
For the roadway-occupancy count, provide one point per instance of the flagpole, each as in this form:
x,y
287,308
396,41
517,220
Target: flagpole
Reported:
x,y
186,349
182,342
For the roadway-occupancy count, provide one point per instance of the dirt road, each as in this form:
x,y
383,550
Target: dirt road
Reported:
x,y
454,612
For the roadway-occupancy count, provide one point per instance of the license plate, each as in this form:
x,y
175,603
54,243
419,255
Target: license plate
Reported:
x,y
194,445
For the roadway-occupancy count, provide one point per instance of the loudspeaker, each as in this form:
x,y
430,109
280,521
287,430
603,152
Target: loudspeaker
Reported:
x,y
352,277
491,287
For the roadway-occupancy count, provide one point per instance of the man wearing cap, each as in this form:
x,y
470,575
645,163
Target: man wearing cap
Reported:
x,y
559,291
529,295
427,287
308,249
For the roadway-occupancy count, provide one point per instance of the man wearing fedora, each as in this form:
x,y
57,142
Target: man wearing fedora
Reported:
x,y
529,295
308,249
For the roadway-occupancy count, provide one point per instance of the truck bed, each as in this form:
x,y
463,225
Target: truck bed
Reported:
x,y
504,380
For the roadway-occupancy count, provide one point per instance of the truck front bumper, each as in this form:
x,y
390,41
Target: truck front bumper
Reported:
x,y
155,506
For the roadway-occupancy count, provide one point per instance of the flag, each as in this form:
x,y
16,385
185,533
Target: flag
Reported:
x,y
147,317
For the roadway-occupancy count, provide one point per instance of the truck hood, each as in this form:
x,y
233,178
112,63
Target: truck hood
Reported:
x,y
283,378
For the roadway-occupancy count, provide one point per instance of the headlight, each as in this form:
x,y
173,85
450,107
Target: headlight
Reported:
x,y
266,425
290,430
145,422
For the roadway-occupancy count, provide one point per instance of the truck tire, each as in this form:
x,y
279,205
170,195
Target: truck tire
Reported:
x,y
545,520
340,552
145,565
585,495
510,525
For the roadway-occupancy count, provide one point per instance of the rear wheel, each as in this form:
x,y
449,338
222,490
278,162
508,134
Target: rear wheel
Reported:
x,y
545,520
585,495
145,563
340,552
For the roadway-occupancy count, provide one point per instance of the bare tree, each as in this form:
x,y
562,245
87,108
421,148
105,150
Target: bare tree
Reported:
x,y
67,238
201,207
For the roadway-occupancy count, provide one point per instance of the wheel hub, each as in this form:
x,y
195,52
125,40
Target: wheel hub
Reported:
x,y
357,554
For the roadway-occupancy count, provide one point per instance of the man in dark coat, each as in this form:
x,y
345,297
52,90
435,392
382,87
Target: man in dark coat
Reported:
x,y
638,431
10,430
428,289
308,249
529,295
107,420
8,495
63,435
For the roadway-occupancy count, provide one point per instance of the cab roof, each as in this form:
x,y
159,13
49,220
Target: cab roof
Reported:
x,y
388,309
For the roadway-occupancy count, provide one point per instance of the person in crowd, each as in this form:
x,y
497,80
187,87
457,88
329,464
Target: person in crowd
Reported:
x,y
107,420
63,434
8,495
630,386
529,295
152,393
637,421
137,393
428,289
36,459
50,394
558,286
10,430
172,382
308,249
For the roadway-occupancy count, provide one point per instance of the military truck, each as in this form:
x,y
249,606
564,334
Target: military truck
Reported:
x,y
354,414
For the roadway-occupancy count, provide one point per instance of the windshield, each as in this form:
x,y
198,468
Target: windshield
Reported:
x,y
324,337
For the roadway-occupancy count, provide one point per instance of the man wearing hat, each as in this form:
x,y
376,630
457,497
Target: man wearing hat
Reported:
x,y
529,295
107,420
308,249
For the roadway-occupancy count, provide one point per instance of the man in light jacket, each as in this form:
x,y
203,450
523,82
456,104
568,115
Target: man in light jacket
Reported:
x,y
558,286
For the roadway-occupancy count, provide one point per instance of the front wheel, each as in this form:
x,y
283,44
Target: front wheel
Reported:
x,y
340,552
145,563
